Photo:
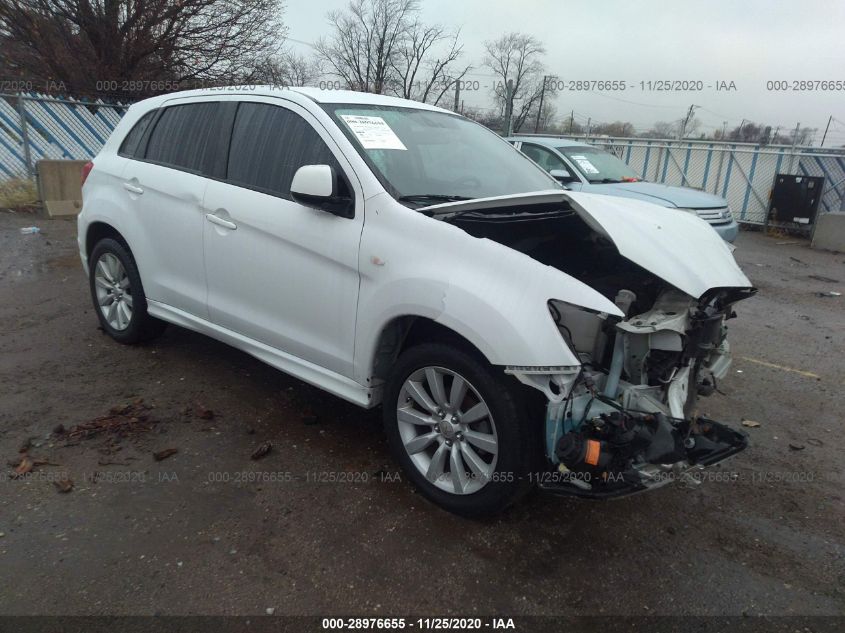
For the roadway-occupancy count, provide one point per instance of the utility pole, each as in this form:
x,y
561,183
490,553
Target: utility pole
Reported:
x,y
589,125
724,130
457,95
571,120
739,134
826,128
540,109
687,119
509,108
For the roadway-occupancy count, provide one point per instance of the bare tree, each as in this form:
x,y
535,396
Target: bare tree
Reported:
x,y
662,129
620,129
288,69
125,44
517,57
416,75
365,41
382,46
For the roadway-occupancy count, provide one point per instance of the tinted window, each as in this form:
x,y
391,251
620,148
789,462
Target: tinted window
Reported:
x,y
183,135
543,157
129,147
269,144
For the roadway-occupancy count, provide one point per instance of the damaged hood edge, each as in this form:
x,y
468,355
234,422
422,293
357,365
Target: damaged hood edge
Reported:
x,y
678,247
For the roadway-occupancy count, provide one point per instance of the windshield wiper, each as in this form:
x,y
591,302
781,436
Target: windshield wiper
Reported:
x,y
605,181
431,197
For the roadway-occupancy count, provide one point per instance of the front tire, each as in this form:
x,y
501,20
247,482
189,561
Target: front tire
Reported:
x,y
454,423
118,294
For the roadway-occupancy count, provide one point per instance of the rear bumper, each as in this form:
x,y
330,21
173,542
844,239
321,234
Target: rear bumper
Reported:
x,y
728,232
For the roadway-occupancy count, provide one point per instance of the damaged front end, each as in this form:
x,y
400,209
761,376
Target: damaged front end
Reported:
x,y
622,418
623,421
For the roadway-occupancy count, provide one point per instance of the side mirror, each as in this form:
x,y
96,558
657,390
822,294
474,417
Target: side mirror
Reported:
x,y
317,186
562,176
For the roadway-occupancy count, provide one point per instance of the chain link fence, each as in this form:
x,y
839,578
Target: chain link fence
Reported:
x,y
35,127
742,173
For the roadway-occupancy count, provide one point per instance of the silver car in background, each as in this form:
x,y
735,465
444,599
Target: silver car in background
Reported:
x,y
582,167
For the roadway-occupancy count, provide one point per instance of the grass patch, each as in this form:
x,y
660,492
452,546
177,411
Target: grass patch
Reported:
x,y
18,194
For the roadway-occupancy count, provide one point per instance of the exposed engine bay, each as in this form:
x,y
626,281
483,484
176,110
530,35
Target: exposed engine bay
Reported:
x,y
624,420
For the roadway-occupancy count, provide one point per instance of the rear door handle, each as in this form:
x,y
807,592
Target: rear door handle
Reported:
x,y
215,219
133,188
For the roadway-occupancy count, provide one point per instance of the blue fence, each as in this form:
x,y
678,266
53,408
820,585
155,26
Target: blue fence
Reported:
x,y
742,173
35,127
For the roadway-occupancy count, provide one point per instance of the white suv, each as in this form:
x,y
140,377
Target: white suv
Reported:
x,y
391,252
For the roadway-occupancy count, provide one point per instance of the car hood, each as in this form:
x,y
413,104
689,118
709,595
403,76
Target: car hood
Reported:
x,y
680,248
664,195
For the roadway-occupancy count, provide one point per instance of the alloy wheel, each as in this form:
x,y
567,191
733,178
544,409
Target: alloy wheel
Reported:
x,y
114,294
447,430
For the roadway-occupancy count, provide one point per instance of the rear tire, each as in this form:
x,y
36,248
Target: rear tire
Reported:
x,y
118,295
455,425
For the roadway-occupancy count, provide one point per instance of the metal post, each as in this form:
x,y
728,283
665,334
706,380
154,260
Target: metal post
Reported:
x,y
571,121
657,163
457,95
792,150
27,155
719,170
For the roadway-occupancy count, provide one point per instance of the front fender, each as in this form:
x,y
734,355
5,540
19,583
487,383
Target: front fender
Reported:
x,y
493,296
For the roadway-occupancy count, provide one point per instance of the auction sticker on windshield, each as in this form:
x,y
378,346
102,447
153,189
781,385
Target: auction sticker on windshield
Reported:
x,y
373,132
585,164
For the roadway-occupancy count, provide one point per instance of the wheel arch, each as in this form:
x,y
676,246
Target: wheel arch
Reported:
x,y
403,332
98,231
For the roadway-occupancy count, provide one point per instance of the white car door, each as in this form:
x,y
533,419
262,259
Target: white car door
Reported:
x,y
279,272
169,183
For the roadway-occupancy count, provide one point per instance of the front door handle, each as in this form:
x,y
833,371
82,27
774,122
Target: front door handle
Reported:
x,y
133,188
215,219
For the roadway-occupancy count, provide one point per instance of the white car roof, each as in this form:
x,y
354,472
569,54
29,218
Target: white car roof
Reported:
x,y
297,93
362,98
548,141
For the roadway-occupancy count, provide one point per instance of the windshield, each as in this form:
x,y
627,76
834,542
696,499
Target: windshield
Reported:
x,y
598,166
423,157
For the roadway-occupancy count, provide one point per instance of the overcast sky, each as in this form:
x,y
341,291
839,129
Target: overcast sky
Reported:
x,y
748,42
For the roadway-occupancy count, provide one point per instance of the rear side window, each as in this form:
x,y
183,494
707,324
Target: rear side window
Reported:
x,y
269,143
183,136
129,147
543,157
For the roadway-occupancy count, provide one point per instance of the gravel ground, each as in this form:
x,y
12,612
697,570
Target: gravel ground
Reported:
x,y
210,531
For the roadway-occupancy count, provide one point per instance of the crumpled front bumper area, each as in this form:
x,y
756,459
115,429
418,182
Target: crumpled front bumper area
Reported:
x,y
622,452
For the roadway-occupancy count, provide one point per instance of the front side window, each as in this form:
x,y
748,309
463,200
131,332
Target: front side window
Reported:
x,y
543,157
422,156
598,166
183,136
129,147
269,143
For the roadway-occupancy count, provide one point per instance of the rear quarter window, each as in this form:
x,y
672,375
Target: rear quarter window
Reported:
x,y
129,147
183,136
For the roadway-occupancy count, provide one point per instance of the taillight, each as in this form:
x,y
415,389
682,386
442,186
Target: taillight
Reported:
x,y
86,169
